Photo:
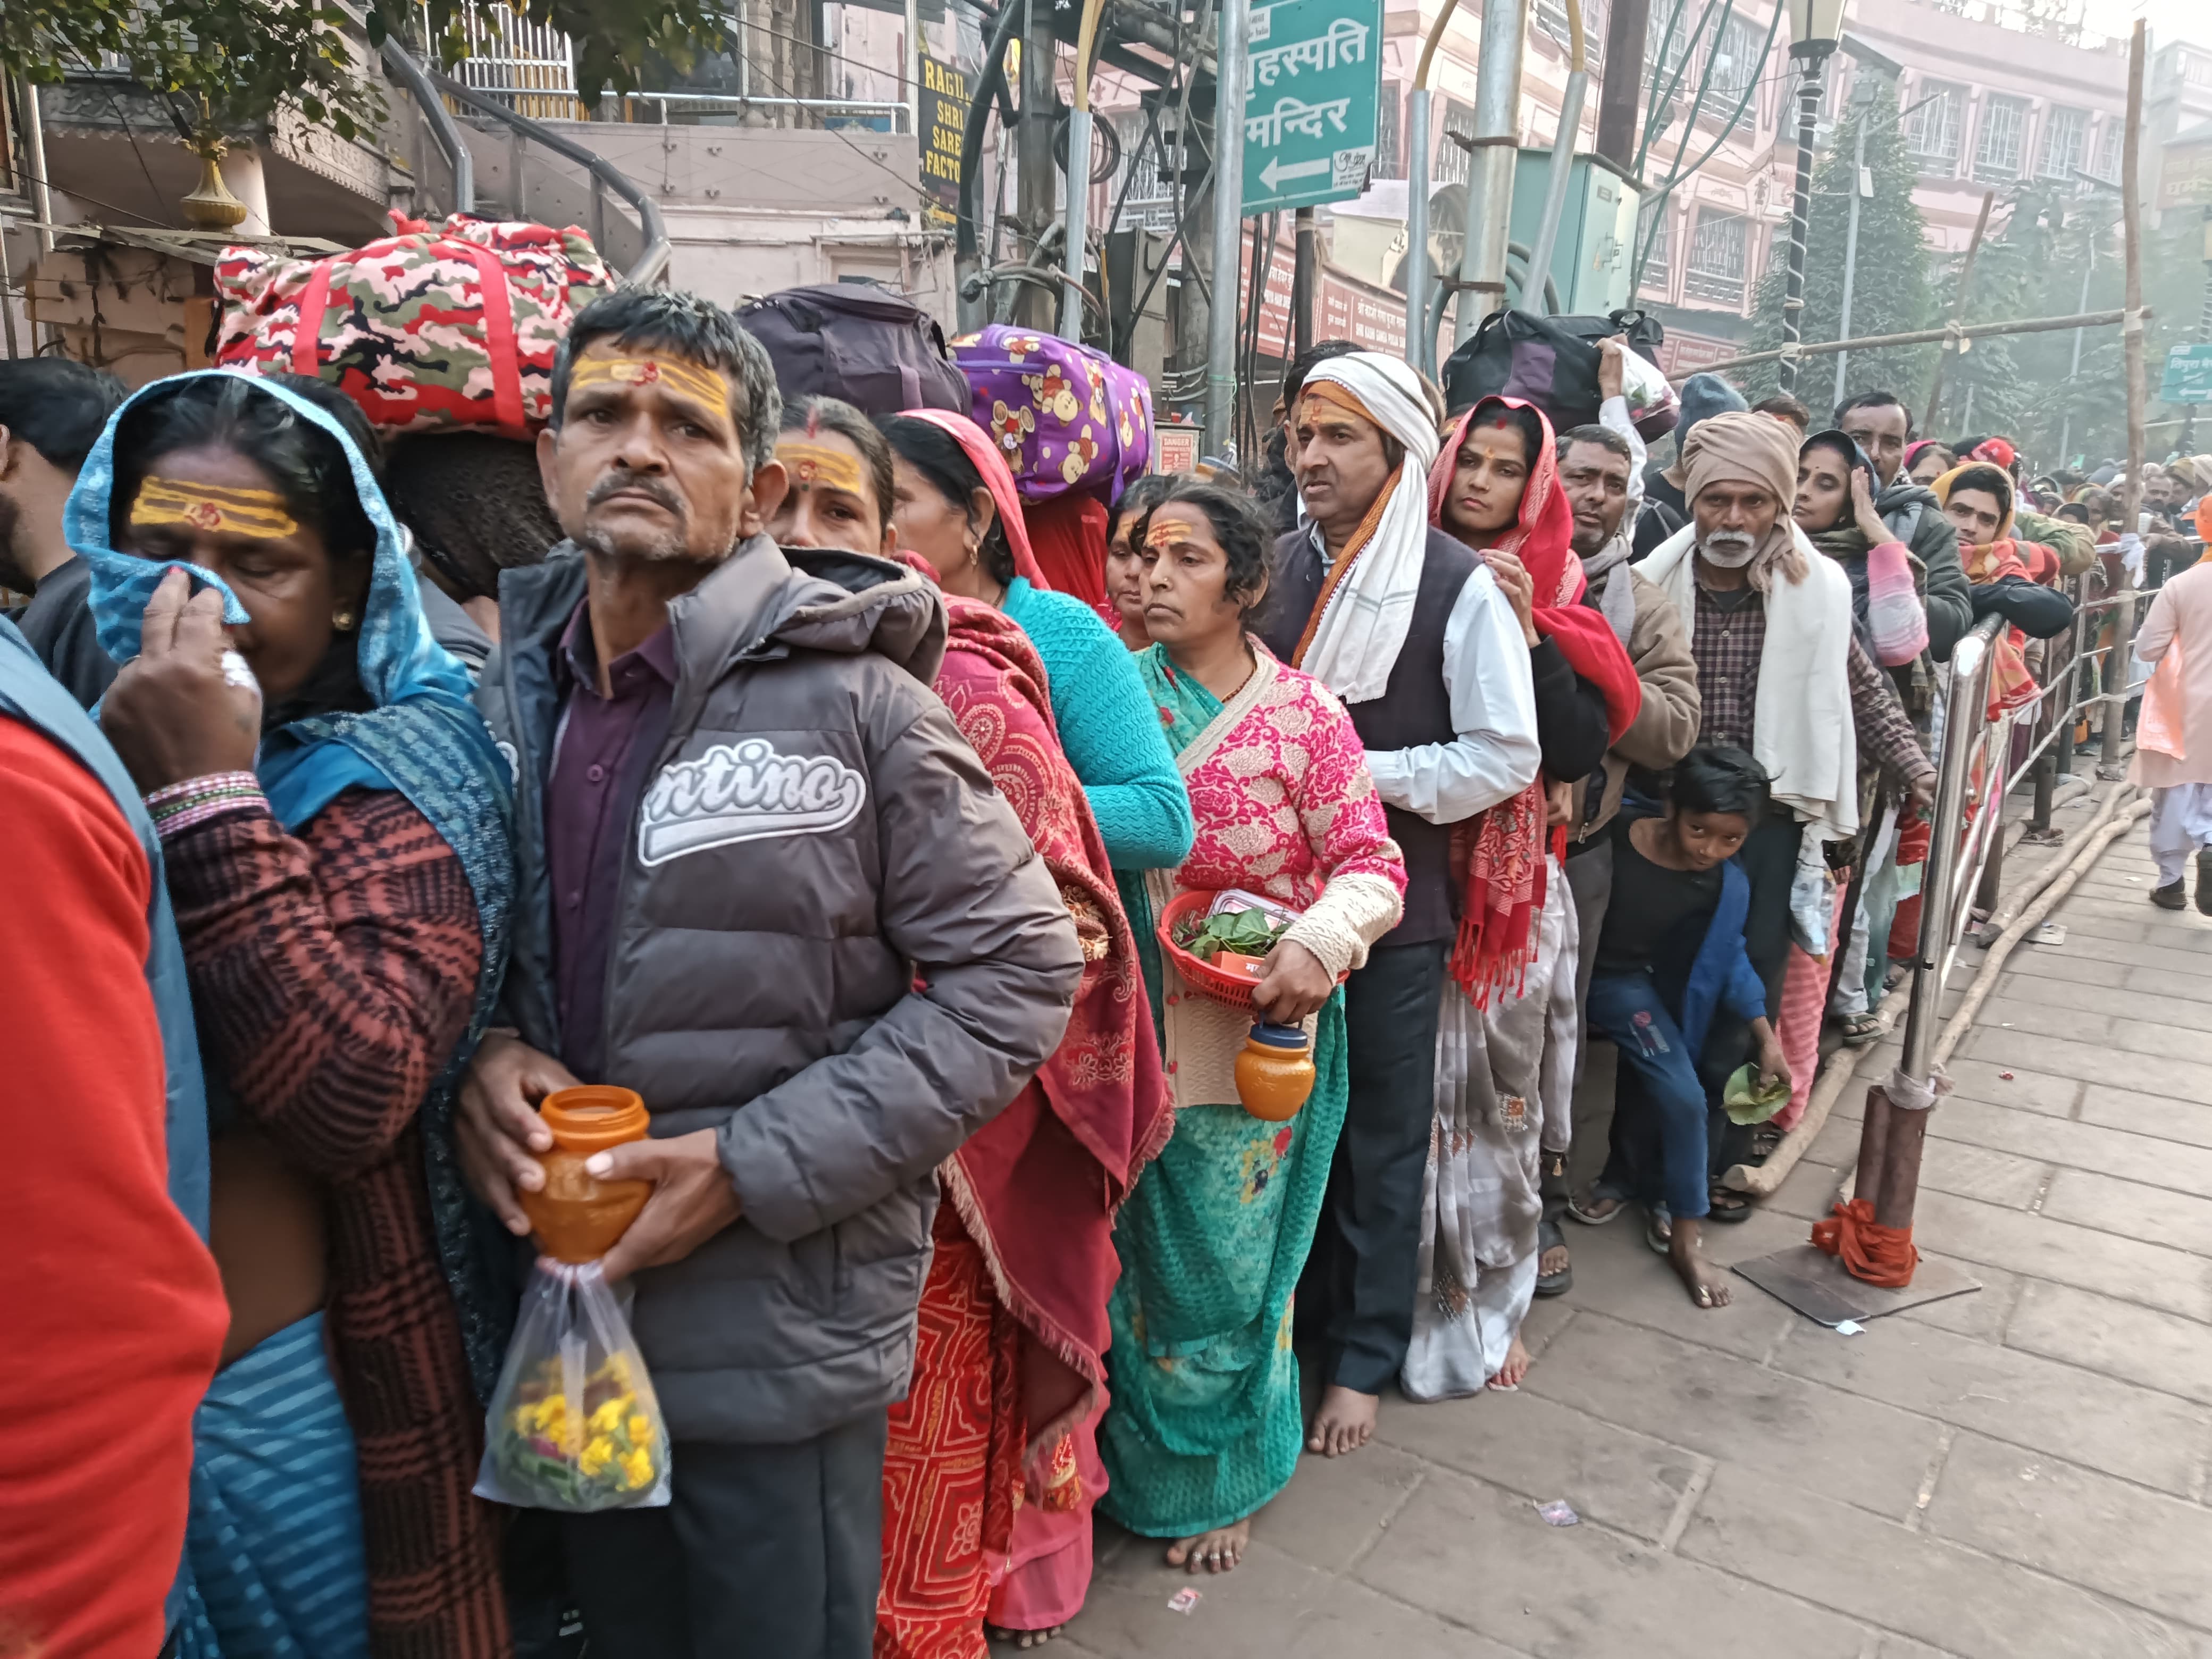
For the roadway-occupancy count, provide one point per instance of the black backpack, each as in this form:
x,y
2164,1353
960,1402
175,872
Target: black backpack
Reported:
x,y
876,349
1551,361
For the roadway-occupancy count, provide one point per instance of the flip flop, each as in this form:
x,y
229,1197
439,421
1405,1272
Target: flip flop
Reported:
x,y
1549,1237
1860,1030
1575,1208
1659,1230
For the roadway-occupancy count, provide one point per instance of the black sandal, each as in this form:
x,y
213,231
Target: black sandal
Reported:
x,y
1728,1207
1550,1238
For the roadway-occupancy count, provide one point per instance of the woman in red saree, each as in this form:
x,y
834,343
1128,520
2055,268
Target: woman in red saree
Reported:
x,y
992,1466
1509,1027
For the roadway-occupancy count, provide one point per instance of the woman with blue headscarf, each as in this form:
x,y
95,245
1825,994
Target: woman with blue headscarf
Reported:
x,y
332,814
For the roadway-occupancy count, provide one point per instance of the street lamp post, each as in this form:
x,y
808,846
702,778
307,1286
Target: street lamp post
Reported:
x,y
1815,27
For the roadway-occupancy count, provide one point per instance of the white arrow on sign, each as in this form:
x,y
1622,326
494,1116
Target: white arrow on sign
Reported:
x,y
1275,173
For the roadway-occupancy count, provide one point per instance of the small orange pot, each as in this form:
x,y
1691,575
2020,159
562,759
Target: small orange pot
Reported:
x,y
1275,1071
577,1216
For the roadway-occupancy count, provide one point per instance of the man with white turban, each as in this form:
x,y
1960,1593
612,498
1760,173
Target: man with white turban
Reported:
x,y
1780,674
1409,628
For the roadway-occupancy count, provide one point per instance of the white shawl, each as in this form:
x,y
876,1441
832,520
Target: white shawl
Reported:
x,y
1803,730
1360,634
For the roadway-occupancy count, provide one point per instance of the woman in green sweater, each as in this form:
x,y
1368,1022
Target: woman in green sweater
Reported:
x,y
955,506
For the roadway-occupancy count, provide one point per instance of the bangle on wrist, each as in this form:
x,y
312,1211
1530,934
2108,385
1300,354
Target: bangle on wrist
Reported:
x,y
178,806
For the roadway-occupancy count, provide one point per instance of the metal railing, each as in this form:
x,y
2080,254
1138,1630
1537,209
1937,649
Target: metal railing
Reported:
x,y
651,267
2084,669
827,109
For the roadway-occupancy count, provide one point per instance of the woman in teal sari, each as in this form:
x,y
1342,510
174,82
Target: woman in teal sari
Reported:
x,y
1205,1425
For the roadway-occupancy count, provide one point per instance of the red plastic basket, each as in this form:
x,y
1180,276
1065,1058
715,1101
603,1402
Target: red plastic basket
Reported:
x,y
1200,975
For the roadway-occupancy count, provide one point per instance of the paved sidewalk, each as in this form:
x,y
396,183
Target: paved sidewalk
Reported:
x,y
2021,1470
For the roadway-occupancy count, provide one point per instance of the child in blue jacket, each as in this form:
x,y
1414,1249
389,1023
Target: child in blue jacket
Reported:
x,y
1676,881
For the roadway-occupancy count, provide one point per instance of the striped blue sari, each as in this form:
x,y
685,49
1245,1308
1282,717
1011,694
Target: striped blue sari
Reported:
x,y
274,1544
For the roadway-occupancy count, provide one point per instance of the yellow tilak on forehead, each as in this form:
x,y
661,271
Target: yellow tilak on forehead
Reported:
x,y
695,380
812,464
217,508
1169,533
1317,395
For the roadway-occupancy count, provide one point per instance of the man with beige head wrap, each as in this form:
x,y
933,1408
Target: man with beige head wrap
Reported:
x,y
1779,671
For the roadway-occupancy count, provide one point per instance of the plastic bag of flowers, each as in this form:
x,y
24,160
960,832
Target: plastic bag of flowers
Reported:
x,y
574,1423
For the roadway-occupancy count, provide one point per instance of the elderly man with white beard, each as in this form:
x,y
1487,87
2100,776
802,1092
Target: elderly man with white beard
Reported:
x,y
1779,673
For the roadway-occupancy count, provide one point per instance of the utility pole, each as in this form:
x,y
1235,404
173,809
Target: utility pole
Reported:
x,y
1958,307
1420,337
2073,369
1491,155
1305,281
1622,81
1864,85
2131,343
1228,227
1037,199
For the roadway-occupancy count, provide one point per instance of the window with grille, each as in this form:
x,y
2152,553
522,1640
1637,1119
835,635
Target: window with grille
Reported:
x,y
1552,18
1931,131
2003,144
1150,200
1715,268
1655,225
1448,160
2110,140
2065,143
1735,63
1389,153
1671,23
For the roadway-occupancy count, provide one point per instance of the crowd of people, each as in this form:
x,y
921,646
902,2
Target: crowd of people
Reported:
x,y
736,750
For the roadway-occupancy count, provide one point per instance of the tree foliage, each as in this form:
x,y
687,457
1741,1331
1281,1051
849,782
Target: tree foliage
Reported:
x,y
1891,293
231,65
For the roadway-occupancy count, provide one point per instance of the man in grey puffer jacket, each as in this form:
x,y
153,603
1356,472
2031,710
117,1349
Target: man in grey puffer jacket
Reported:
x,y
746,832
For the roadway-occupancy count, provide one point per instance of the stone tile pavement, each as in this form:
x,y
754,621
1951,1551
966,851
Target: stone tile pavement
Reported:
x,y
2018,1472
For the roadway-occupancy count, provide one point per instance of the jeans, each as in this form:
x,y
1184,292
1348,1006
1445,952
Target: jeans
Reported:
x,y
1626,1009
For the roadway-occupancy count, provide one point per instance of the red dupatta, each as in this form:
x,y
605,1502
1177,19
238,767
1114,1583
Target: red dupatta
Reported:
x,y
976,445
1506,857
1038,1187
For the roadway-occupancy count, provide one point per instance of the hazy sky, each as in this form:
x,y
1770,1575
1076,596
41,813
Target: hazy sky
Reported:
x,y
2170,20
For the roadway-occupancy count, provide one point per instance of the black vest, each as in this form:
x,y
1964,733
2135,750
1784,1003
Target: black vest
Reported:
x,y
1414,708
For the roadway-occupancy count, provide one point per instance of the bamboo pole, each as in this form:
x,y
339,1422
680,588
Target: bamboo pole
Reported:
x,y
1918,336
1958,306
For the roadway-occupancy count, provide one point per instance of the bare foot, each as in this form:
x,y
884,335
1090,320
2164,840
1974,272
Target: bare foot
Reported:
x,y
1023,1639
1345,1422
1514,1368
1594,1208
1708,1286
1217,1550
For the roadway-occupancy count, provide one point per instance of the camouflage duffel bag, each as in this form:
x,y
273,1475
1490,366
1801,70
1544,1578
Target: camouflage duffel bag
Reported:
x,y
426,330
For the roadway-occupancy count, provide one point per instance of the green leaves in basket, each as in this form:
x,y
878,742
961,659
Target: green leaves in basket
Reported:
x,y
1745,1101
1240,933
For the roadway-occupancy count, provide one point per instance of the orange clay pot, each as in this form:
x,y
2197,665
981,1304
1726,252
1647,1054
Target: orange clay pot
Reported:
x,y
1275,1071
576,1217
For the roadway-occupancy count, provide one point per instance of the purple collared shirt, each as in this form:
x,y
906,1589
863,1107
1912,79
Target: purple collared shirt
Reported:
x,y
603,752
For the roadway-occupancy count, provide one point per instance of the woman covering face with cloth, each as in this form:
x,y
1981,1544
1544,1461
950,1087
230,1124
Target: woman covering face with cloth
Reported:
x,y
333,815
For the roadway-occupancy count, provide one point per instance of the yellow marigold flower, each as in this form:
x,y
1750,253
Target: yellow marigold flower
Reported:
x,y
608,1418
597,1455
637,1468
640,1430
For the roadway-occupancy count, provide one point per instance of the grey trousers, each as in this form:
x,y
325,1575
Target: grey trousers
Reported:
x,y
1589,883
767,1553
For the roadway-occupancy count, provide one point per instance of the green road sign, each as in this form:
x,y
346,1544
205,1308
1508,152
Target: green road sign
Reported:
x,y
1310,89
2188,375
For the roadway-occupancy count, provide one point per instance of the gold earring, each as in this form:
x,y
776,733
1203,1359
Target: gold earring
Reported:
x,y
342,619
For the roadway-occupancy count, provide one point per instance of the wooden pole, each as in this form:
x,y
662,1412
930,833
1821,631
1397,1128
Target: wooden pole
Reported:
x,y
2131,328
1917,337
1958,306
2131,343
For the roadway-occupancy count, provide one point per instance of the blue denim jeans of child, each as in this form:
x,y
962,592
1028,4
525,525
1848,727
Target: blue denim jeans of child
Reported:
x,y
1625,1009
